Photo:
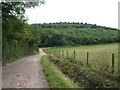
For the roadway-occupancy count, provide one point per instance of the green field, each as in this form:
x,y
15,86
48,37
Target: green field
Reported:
x,y
100,56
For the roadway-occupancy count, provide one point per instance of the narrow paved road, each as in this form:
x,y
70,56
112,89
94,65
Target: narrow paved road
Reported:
x,y
25,73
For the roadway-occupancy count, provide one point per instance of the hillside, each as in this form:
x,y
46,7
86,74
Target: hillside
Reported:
x,y
69,34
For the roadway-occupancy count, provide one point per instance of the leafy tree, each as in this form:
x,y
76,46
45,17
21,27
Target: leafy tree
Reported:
x,y
19,38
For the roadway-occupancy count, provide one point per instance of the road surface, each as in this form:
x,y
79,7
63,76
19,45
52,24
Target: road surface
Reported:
x,y
24,73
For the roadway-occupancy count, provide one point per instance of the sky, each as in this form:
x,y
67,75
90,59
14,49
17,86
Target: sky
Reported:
x,y
100,12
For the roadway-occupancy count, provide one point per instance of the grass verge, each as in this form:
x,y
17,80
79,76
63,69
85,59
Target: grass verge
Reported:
x,y
84,76
55,77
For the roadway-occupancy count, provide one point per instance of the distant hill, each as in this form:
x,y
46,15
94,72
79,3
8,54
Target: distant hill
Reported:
x,y
67,34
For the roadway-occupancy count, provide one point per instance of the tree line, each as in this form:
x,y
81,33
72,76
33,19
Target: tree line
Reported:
x,y
69,34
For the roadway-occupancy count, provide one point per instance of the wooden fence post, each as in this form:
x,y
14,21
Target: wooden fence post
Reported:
x,y
74,55
62,54
67,54
87,57
113,62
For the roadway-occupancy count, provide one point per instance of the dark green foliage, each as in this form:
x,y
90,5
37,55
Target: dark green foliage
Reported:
x,y
18,38
64,34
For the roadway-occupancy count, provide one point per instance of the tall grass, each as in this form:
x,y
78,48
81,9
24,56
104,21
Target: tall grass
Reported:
x,y
55,77
100,56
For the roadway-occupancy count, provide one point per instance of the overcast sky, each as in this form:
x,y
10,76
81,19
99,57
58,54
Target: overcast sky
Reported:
x,y
100,12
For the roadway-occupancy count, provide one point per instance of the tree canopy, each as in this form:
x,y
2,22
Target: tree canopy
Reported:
x,y
19,38
67,34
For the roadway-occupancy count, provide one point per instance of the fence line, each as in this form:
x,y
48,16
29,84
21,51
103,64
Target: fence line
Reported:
x,y
62,55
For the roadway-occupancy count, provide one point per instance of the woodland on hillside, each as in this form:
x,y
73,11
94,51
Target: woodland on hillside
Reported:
x,y
72,34
20,38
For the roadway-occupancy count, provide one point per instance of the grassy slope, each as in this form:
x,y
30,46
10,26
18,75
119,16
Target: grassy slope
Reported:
x,y
56,78
98,54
